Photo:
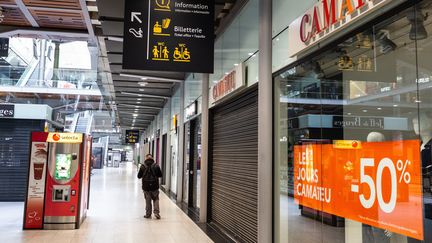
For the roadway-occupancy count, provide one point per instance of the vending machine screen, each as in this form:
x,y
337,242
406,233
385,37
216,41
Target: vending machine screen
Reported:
x,y
63,166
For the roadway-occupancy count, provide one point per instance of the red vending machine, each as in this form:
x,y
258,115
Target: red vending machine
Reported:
x,y
59,181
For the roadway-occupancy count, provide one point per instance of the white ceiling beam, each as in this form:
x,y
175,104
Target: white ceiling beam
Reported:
x,y
26,13
88,21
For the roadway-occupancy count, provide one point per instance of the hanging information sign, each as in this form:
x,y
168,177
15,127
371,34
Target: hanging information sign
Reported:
x,y
169,35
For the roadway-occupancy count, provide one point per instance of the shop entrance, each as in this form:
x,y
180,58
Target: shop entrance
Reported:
x,y
358,108
192,163
164,160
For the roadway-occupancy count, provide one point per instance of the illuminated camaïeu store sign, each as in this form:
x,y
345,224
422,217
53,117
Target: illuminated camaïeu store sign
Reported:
x,y
375,183
326,18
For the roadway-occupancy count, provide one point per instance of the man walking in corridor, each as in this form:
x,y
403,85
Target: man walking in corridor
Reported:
x,y
150,173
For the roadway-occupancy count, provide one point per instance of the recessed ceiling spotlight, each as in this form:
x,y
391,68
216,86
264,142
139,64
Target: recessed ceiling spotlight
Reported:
x,y
365,110
379,108
142,83
138,102
141,90
139,99
135,115
395,105
236,64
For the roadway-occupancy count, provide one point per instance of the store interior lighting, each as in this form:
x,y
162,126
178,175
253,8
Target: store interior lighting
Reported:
x,y
417,19
386,45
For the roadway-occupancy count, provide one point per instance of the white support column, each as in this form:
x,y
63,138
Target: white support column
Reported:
x,y
265,118
161,124
204,148
168,150
181,146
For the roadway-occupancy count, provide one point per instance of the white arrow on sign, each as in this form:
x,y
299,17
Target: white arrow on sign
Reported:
x,y
135,15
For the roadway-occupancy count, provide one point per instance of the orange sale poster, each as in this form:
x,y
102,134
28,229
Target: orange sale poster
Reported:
x,y
377,183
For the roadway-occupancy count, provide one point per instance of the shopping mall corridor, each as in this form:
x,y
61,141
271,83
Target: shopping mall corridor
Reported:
x,y
115,216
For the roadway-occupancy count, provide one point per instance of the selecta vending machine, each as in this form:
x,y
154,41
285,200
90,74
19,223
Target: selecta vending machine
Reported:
x,y
58,181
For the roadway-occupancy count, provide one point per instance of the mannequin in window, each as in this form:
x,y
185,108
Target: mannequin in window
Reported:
x,y
423,127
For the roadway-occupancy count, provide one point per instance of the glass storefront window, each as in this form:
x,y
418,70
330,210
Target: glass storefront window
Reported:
x,y
354,134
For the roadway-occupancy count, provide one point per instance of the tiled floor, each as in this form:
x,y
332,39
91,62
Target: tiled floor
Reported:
x,y
116,215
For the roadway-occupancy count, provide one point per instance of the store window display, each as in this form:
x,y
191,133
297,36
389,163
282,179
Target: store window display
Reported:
x,y
354,132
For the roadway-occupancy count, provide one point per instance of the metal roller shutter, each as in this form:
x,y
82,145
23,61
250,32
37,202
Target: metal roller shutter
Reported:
x,y
234,167
14,156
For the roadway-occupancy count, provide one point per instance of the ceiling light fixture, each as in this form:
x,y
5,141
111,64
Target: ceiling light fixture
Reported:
x,y
143,84
171,80
386,45
417,19
145,95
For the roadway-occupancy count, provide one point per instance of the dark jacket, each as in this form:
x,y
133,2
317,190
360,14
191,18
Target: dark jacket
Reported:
x,y
150,173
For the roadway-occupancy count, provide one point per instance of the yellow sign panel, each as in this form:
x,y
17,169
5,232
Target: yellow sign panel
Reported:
x,y
54,137
158,29
347,144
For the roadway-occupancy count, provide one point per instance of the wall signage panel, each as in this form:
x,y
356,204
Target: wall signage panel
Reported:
x,y
169,35
4,47
326,18
369,182
7,110
132,136
192,110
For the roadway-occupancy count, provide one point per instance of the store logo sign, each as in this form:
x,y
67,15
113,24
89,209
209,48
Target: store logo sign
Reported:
x,y
231,82
65,138
7,110
326,18
192,110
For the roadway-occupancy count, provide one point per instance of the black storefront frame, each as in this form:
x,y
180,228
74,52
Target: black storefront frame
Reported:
x,y
308,56
192,123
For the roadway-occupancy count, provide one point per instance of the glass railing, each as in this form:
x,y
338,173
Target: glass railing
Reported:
x,y
48,78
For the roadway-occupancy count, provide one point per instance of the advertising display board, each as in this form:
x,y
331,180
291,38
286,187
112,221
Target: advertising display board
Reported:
x,y
33,215
169,35
375,183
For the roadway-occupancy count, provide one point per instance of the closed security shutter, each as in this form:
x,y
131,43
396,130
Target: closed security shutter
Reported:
x,y
14,157
234,167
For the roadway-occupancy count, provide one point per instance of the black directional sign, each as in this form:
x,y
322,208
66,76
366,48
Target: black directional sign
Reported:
x,y
169,35
132,136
